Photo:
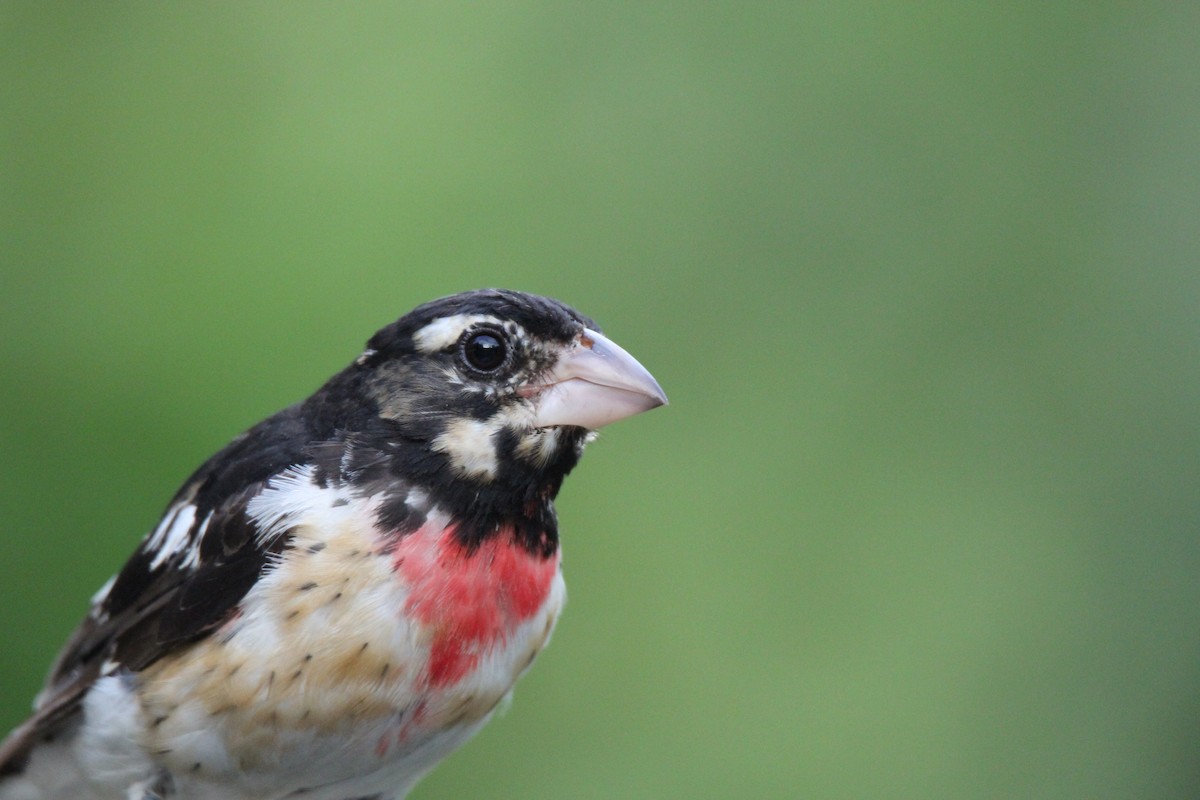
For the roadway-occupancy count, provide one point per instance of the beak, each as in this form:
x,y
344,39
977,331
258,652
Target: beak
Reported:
x,y
594,383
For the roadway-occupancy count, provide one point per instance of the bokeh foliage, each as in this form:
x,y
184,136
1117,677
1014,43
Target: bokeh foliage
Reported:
x,y
921,280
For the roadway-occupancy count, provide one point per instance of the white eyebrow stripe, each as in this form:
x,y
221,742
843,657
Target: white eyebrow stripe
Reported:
x,y
444,332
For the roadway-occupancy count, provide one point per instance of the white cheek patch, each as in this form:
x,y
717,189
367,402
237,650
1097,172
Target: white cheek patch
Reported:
x,y
444,332
539,445
471,446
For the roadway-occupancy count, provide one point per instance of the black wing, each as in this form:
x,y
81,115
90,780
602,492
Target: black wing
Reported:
x,y
185,579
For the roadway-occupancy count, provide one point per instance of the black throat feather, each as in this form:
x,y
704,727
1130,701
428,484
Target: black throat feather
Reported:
x,y
380,460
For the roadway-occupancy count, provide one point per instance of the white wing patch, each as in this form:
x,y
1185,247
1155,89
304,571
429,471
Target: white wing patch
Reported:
x,y
102,593
171,535
289,494
293,497
191,559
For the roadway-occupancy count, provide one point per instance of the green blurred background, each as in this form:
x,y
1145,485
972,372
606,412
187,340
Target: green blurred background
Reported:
x,y
921,281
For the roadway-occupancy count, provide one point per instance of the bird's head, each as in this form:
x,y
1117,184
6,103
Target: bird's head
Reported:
x,y
491,393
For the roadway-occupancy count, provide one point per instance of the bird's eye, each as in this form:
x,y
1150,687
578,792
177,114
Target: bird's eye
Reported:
x,y
485,351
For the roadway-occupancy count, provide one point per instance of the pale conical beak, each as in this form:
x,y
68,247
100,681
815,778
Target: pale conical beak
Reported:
x,y
594,383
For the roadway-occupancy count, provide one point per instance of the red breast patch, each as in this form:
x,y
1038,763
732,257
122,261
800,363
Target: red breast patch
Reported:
x,y
472,599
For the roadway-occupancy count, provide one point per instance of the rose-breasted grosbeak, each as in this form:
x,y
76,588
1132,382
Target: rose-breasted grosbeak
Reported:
x,y
344,594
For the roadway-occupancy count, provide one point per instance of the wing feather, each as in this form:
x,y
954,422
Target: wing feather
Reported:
x,y
184,580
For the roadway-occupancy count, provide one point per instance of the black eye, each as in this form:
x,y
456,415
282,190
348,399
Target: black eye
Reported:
x,y
485,351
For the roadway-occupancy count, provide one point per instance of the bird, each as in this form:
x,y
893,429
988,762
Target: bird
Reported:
x,y
347,591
